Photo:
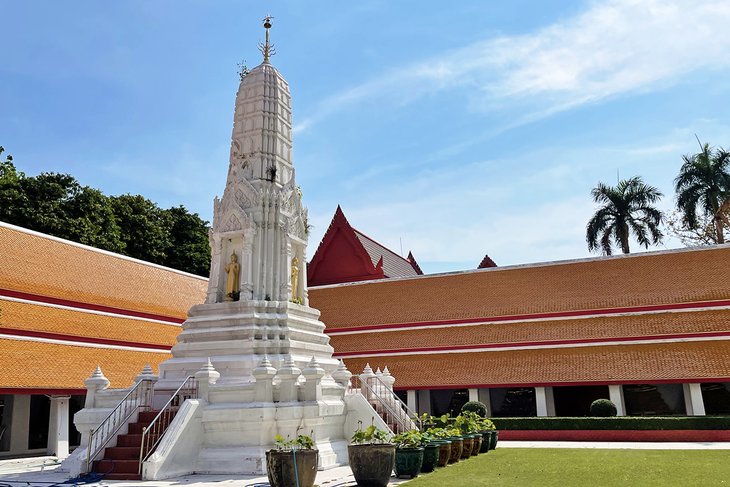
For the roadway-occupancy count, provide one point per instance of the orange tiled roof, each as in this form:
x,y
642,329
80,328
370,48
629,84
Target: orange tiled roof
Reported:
x,y
636,280
35,264
38,365
617,363
537,331
38,318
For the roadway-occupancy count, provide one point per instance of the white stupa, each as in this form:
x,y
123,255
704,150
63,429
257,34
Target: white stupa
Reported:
x,y
253,361
260,221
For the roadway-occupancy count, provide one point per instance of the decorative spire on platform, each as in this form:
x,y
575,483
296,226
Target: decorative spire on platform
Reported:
x,y
267,49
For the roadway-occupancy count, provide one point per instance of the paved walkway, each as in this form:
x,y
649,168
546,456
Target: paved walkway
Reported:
x,y
41,471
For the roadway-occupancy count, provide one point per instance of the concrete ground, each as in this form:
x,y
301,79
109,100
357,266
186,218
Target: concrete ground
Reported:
x,y
41,471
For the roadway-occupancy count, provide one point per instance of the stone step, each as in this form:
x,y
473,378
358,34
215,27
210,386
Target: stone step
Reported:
x,y
121,453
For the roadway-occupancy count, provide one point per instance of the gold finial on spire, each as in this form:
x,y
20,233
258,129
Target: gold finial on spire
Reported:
x,y
267,49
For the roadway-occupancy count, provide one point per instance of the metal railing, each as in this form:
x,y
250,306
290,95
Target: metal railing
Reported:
x,y
138,397
396,414
153,433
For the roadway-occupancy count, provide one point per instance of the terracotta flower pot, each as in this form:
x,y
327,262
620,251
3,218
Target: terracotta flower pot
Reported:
x,y
285,467
444,452
457,445
371,465
477,444
468,445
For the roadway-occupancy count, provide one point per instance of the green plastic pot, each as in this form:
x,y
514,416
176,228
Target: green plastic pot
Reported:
x,y
430,457
493,442
408,462
486,438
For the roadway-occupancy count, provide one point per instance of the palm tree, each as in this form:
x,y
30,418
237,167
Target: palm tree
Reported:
x,y
704,181
626,209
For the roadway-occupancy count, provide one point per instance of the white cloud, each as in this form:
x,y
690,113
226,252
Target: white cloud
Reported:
x,y
612,48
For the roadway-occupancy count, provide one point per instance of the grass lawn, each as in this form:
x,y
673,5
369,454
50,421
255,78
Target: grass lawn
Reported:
x,y
584,467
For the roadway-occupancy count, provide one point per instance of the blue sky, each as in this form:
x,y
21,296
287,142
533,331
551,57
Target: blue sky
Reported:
x,y
458,128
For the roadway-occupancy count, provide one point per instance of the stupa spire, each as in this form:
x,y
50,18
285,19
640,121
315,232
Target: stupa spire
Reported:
x,y
267,49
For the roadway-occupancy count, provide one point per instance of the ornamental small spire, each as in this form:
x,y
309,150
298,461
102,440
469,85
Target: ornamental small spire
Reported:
x,y
267,49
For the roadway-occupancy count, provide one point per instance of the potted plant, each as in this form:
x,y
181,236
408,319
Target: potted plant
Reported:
x,y
440,437
457,444
467,425
487,428
431,451
292,463
371,456
408,453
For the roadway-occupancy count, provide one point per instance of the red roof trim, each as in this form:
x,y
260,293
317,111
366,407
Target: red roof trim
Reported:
x,y
535,316
36,390
558,384
81,339
87,306
413,262
416,350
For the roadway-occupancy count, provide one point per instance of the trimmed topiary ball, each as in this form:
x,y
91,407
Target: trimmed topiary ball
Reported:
x,y
475,407
603,408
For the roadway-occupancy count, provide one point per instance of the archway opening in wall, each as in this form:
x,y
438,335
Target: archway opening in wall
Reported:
x,y
513,402
576,400
449,401
716,396
654,399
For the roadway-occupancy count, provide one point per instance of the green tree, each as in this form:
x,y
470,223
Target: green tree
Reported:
x,y
190,249
145,227
626,209
58,205
703,184
11,191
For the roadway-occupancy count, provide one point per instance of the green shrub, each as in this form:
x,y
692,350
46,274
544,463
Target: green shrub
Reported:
x,y
475,407
603,408
615,423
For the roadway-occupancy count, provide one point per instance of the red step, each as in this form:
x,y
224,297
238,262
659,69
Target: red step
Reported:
x,y
121,462
129,440
122,453
117,466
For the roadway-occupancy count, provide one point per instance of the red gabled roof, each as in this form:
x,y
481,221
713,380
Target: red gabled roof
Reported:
x,y
348,255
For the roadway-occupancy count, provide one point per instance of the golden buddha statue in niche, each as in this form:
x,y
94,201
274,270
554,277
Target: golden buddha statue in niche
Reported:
x,y
294,279
233,269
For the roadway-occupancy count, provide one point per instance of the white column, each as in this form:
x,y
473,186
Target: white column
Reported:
x,y
693,399
616,395
411,401
20,422
485,398
545,401
550,398
58,426
473,394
